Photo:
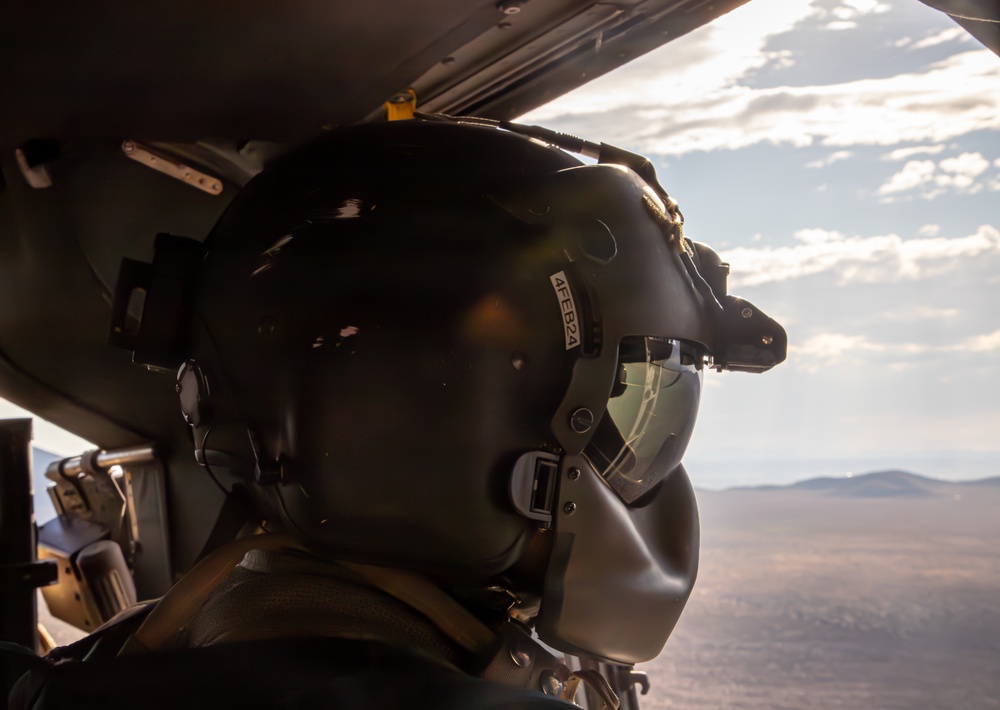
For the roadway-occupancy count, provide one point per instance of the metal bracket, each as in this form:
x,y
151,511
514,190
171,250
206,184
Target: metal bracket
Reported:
x,y
83,488
172,167
634,678
30,575
401,106
533,485
36,175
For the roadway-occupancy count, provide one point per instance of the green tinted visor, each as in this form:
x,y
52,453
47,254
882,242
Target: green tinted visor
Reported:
x,y
650,415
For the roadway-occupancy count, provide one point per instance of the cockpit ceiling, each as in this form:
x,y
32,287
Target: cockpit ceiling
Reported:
x,y
188,69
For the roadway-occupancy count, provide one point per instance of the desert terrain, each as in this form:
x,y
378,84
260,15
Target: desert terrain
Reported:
x,y
877,592
880,591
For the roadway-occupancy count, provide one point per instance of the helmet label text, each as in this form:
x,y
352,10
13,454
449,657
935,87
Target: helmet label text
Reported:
x,y
567,306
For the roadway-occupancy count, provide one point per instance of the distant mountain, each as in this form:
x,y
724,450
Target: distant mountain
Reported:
x,y
880,484
992,481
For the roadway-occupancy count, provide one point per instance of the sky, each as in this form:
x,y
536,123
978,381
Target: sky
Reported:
x,y
47,436
844,157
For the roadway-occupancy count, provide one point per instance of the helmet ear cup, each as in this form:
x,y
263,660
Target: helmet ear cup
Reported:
x,y
193,391
196,408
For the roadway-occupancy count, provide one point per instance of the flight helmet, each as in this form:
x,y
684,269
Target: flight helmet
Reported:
x,y
454,349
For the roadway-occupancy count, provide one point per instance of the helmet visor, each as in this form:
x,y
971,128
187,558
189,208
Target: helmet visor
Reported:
x,y
648,422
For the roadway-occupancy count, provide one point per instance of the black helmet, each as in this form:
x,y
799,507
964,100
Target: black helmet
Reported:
x,y
446,345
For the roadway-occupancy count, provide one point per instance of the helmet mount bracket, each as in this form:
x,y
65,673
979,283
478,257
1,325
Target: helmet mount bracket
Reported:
x,y
266,471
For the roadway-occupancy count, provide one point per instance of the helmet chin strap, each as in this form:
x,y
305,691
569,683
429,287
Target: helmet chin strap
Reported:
x,y
510,656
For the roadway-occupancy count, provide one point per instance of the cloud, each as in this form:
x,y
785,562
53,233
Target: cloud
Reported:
x,y
971,164
828,346
930,230
914,174
933,39
953,97
834,157
904,153
947,35
853,9
904,314
696,93
856,259
931,313
715,56
826,350
957,174
979,343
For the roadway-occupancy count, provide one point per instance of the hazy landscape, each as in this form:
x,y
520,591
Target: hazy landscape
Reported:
x,y
876,591
880,591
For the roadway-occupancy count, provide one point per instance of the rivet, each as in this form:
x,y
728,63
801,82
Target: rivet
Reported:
x,y
746,312
128,146
573,474
518,360
569,508
767,340
504,26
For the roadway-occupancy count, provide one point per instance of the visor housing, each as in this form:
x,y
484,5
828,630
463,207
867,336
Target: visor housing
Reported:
x,y
650,415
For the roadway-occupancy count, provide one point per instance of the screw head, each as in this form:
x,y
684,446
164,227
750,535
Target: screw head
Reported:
x,y
746,312
128,146
581,420
767,340
573,474
520,653
569,508
550,684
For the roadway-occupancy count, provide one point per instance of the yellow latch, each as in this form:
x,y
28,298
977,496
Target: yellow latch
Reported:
x,y
401,106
